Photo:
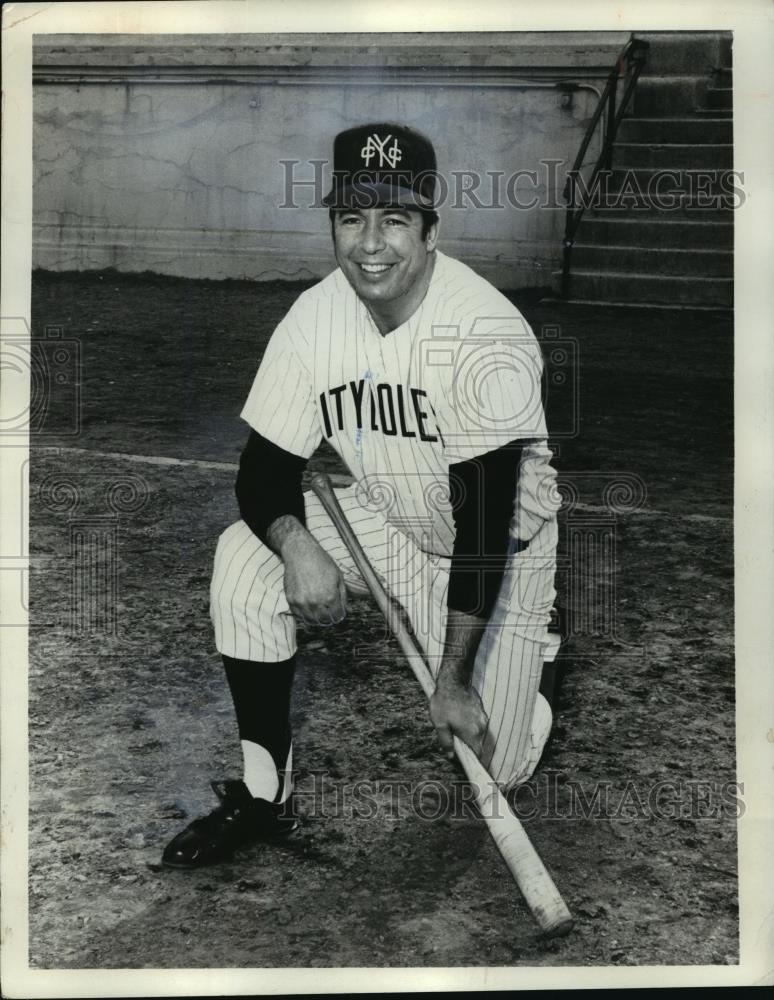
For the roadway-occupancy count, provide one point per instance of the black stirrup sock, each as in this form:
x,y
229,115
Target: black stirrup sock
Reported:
x,y
261,695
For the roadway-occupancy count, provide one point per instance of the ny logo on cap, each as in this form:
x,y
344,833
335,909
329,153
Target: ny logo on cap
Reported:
x,y
376,147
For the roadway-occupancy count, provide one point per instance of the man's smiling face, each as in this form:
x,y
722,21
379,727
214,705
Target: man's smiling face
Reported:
x,y
384,255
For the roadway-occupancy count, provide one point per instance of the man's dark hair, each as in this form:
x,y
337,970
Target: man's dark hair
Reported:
x,y
429,218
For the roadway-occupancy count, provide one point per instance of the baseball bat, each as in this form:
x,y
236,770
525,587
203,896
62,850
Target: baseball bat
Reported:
x,y
523,861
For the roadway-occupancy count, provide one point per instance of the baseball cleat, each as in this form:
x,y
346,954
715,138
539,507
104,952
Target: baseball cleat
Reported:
x,y
540,730
238,820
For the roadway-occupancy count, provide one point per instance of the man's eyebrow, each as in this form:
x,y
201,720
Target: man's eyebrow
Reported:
x,y
398,210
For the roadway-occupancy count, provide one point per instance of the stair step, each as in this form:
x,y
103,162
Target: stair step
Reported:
x,y
685,209
670,95
720,97
654,306
664,289
714,113
645,177
653,260
673,154
681,52
698,130
634,231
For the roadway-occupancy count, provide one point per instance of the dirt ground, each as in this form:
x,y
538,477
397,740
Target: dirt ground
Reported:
x,y
130,716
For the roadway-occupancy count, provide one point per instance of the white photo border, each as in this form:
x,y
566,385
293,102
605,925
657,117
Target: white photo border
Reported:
x,y
752,23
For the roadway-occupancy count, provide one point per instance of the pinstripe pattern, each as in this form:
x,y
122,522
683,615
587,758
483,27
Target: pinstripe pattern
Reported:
x,y
508,669
283,378
249,612
459,378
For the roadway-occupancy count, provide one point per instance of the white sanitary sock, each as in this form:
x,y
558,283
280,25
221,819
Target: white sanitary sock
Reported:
x,y
260,772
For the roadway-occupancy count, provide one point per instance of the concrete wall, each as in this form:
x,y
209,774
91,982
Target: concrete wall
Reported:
x,y
164,153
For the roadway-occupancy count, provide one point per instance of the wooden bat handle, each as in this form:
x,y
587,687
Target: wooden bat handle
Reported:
x,y
523,861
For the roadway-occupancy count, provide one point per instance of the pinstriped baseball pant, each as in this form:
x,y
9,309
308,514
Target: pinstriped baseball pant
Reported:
x,y
253,622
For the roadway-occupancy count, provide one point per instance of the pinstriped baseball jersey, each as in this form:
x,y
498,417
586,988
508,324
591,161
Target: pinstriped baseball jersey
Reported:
x,y
459,378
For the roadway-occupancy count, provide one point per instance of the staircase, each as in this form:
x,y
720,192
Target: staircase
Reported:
x,y
658,240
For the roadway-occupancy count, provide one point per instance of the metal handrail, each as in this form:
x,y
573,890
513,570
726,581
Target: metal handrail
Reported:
x,y
629,64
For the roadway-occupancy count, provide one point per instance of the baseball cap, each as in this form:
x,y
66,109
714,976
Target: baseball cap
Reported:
x,y
382,164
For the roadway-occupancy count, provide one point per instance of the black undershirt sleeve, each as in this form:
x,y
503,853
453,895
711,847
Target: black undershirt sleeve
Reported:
x,y
483,495
268,484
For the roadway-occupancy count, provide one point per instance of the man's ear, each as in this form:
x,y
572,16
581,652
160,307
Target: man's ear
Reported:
x,y
432,236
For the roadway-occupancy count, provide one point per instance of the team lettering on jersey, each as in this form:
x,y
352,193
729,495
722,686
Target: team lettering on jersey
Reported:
x,y
394,410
